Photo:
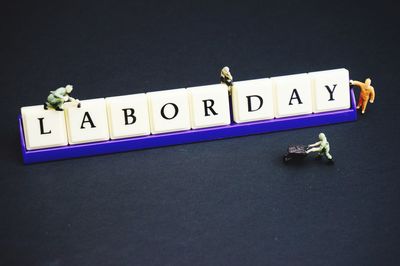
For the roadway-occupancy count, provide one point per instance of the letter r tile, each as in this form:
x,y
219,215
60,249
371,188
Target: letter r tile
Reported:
x,y
209,106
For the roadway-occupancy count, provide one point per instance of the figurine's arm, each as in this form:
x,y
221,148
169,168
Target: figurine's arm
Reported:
x,y
356,83
372,99
315,144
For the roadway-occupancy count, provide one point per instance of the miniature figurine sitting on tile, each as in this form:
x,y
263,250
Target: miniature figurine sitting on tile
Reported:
x,y
57,98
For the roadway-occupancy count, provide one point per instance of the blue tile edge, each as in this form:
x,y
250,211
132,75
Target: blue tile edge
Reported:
x,y
189,136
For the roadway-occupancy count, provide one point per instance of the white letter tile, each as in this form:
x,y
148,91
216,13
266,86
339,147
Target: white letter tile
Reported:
x,y
169,111
330,90
87,123
293,95
252,100
209,106
128,116
43,128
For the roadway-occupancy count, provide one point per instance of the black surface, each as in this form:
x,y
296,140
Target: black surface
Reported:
x,y
227,202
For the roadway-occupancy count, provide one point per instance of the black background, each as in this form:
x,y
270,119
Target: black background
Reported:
x,y
226,202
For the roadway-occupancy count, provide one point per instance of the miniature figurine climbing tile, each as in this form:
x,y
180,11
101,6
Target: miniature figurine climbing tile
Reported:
x,y
65,127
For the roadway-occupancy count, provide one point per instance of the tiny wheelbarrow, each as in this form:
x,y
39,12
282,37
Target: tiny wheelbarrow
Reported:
x,y
295,152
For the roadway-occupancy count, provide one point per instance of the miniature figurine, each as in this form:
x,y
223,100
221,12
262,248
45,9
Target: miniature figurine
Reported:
x,y
367,93
227,78
301,151
57,98
322,147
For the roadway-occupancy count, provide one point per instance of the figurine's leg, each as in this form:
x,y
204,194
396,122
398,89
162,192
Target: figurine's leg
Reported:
x,y
364,106
327,154
45,107
59,107
360,102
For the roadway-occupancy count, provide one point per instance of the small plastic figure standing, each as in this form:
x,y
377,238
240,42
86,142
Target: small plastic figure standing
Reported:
x,y
57,98
227,78
367,93
322,147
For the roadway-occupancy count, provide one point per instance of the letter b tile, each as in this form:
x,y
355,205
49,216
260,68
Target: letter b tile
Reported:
x,y
88,123
128,116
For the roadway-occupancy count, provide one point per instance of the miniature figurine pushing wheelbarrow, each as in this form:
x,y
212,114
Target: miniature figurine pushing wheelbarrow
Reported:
x,y
301,151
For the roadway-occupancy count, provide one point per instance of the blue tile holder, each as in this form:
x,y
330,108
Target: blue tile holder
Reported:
x,y
188,136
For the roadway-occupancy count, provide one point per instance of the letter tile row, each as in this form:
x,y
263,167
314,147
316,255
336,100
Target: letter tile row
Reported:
x,y
186,109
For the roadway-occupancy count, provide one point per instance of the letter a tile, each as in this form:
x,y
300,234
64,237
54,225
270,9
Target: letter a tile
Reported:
x,y
87,123
293,95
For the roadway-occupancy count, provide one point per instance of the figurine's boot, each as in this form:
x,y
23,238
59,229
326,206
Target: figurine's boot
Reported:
x,y
45,107
364,106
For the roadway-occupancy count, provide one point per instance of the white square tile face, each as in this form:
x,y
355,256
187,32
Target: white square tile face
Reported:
x,y
209,106
169,111
43,128
88,123
292,95
252,100
330,90
128,116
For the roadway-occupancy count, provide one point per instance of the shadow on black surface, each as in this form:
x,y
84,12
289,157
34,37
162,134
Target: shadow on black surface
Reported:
x,y
303,162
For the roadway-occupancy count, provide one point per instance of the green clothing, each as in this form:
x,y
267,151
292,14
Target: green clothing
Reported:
x,y
56,98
